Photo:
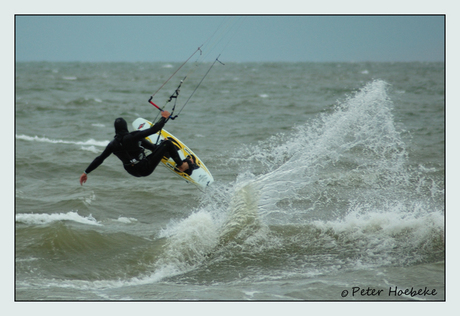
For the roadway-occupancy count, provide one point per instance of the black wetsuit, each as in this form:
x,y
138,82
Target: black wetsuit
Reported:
x,y
129,148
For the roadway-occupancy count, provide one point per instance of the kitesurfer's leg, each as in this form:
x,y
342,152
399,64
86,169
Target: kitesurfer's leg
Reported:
x,y
167,148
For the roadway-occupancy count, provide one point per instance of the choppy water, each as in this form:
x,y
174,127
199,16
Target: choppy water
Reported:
x,y
328,177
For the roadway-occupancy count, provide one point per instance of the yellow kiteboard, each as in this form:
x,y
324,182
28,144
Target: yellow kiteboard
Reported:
x,y
200,177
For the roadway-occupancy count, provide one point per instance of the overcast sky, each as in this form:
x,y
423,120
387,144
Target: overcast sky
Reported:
x,y
351,38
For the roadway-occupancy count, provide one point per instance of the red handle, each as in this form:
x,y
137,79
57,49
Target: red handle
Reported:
x,y
150,101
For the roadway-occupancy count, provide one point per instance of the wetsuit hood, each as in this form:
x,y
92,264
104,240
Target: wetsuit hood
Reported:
x,y
121,127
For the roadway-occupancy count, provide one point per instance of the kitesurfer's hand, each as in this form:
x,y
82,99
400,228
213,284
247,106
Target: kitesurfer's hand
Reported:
x,y
165,114
83,178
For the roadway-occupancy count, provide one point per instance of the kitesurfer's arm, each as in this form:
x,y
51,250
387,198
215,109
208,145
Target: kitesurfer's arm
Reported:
x,y
155,128
146,144
96,163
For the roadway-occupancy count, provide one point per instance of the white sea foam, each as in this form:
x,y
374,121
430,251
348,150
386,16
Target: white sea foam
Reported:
x,y
126,220
60,141
92,149
360,134
43,219
188,241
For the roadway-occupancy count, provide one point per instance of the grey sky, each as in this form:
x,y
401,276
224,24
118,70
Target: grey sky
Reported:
x,y
250,38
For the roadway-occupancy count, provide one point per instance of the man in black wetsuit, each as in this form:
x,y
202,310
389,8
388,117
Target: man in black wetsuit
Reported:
x,y
129,148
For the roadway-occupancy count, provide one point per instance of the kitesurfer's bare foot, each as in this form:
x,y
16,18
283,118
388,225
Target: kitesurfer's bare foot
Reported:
x,y
183,167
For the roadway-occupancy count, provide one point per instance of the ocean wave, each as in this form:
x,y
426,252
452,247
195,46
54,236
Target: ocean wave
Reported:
x,y
365,238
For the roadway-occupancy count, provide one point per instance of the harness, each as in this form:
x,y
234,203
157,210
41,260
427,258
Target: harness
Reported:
x,y
135,161
127,157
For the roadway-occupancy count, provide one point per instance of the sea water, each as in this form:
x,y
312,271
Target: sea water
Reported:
x,y
329,184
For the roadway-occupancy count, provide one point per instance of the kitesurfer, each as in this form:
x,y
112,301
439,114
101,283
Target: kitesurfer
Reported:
x,y
129,148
